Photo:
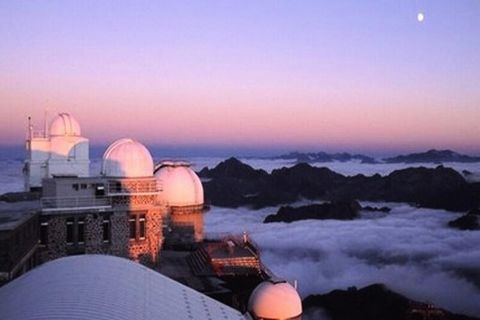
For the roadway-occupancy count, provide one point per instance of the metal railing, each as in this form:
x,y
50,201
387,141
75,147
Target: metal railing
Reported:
x,y
60,203
38,134
241,240
114,188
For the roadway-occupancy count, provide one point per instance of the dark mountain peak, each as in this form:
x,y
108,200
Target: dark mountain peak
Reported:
x,y
433,155
233,168
233,183
303,169
439,173
375,301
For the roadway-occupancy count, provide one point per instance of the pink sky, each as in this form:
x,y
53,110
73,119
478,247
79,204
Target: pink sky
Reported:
x,y
288,78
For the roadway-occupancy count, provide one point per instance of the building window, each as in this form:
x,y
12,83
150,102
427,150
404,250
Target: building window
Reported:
x,y
83,186
76,231
99,190
106,229
141,226
133,227
70,222
137,227
81,231
44,233
75,186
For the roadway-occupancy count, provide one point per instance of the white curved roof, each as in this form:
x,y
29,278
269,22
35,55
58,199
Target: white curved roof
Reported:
x,y
275,300
100,287
179,183
127,158
64,124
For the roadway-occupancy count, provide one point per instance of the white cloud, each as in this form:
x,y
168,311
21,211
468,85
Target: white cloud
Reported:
x,y
410,250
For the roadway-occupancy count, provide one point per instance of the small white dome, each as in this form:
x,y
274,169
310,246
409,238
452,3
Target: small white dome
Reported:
x,y
179,183
275,300
64,124
127,158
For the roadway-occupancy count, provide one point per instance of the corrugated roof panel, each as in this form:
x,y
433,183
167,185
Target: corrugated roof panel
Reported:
x,y
102,288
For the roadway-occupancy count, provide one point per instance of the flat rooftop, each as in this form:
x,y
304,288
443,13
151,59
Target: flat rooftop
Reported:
x,y
13,214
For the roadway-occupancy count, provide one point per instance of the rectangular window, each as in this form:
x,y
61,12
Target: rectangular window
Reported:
x,y
81,231
44,233
133,228
99,190
106,229
141,227
83,186
75,186
70,231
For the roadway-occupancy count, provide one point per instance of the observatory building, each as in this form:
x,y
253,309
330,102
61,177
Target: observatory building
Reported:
x,y
132,209
182,192
59,150
275,299
114,213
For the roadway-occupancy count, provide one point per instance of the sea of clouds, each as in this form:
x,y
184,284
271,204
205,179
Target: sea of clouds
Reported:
x,y
411,250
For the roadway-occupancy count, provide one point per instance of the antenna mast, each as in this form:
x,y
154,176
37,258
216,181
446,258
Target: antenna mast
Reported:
x,y
45,123
30,128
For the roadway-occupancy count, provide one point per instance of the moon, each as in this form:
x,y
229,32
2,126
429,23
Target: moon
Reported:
x,y
420,17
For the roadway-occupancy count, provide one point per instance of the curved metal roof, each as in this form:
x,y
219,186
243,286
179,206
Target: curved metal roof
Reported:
x,y
101,287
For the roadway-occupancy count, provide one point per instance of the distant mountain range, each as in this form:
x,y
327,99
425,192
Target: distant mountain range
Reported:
x,y
436,156
310,157
433,156
233,183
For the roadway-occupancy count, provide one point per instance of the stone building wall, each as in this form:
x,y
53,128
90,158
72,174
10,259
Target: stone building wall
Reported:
x,y
133,201
56,246
94,235
119,234
147,251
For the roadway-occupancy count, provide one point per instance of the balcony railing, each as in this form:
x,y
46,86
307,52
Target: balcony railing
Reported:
x,y
118,188
38,134
241,240
74,203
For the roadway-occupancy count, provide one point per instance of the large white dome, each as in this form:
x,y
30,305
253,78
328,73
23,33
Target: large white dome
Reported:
x,y
179,183
127,158
64,124
275,300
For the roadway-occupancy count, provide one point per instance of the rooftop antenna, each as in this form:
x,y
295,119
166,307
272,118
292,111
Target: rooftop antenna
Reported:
x,y
45,123
30,128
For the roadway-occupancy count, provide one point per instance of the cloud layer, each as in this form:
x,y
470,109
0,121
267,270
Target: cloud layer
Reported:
x,y
411,250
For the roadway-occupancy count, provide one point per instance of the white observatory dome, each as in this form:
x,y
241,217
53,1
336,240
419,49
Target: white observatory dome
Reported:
x,y
275,300
180,184
64,124
127,158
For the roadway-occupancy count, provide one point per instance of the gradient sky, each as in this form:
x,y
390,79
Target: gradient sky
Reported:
x,y
319,75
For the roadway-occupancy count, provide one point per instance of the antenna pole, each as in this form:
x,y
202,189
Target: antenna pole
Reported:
x,y
45,123
30,128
